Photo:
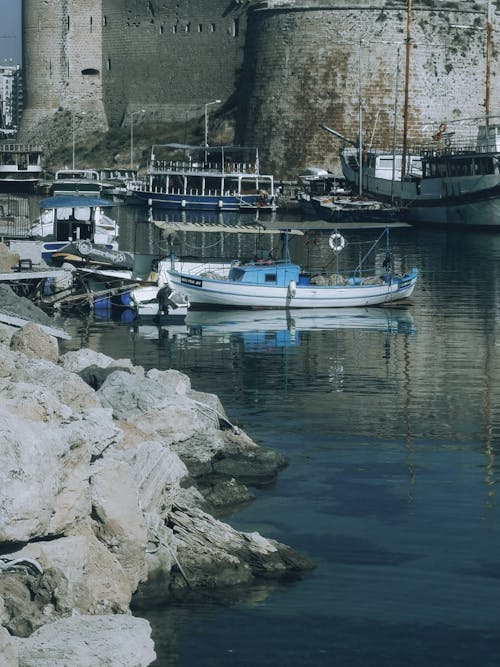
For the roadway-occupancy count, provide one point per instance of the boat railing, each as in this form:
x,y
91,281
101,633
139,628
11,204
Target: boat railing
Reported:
x,y
20,148
163,166
447,145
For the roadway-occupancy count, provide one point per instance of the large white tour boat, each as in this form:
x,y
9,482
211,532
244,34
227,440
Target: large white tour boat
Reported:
x,y
205,178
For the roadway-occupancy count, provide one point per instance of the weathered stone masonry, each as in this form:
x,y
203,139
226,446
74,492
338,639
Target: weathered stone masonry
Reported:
x,y
287,67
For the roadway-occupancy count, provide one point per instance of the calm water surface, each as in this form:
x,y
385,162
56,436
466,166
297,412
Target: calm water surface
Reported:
x,y
390,421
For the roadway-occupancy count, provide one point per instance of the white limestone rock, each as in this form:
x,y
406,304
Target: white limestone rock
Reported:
x,y
6,333
173,380
158,473
76,360
9,654
89,641
153,409
43,478
93,581
118,519
32,341
69,388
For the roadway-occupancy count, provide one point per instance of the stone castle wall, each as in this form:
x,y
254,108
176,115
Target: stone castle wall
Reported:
x,y
307,62
286,66
112,57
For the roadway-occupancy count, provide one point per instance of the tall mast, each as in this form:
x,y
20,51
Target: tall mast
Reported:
x,y
360,121
407,85
489,50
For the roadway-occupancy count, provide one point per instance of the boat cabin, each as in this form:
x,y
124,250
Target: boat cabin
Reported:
x,y
76,181
488,138
68,218
449,165
383,165
270,272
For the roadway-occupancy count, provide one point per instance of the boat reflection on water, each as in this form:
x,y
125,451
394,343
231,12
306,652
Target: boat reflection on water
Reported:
x,y
282,328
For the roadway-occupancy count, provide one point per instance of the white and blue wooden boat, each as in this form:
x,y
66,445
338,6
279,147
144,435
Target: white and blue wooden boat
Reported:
x,y
220,178
283,284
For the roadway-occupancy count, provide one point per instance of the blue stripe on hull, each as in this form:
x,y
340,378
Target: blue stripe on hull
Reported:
x,y
191,202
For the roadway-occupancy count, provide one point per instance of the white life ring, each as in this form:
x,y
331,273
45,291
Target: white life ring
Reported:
x,y
292,289
336,242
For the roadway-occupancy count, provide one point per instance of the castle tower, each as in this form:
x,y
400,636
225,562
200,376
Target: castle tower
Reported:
x,y
62,54
105,59
309,62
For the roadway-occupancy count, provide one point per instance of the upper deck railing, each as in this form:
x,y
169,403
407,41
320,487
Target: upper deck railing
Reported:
x,y
20,148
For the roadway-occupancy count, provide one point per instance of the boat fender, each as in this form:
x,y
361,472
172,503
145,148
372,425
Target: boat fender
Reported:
x,y
220,203
336,242
292,289
183,203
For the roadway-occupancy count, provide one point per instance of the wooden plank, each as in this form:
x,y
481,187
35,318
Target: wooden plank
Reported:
x,y
19,322
15,276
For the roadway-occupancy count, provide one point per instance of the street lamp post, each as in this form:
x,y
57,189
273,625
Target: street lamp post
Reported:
x,y
206,119
134,113
82,113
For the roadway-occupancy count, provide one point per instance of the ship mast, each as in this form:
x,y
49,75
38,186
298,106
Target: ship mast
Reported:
x,y
489,50
407,85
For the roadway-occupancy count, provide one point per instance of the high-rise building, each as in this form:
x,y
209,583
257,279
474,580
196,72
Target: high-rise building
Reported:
x,y
11,99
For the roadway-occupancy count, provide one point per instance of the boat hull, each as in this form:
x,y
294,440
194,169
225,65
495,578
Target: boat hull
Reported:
x,y
207,293
197,203
472,201
19,184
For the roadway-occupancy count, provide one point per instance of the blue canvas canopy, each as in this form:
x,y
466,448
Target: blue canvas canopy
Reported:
x,y
74,201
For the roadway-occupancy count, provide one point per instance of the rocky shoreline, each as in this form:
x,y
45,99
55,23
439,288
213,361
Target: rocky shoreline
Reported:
x,y
112,480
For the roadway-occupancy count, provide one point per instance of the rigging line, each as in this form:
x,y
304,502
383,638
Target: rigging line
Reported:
x,y
200,247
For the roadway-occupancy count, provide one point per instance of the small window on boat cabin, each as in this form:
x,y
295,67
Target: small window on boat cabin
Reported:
x,y
270,277
90,71
385,163
82,213
64,213
435,169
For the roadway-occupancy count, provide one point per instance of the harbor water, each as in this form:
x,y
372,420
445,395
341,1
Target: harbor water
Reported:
x,y
390,421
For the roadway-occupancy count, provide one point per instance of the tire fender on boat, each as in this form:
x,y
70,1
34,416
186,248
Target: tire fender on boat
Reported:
x,y
336,242
292,289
